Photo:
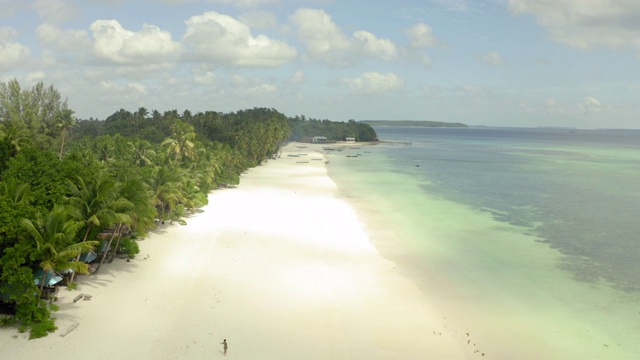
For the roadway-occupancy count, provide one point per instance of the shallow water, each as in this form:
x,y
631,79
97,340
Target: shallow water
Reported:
x,y
526,238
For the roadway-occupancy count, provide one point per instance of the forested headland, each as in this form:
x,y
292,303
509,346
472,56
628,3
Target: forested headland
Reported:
x,y
69,186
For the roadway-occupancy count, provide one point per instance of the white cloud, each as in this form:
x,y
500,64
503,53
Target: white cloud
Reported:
x,y
296,79
323,38
56,11
35,76
374,83
259,19
139,87
262,89
68,40
222,39
421,36
590,104
587,24
243,3
244,86
11,7
126,95
454,5
424,59
550,103
472,89
204,76
12,54
325,41
371,46
493,58
117,45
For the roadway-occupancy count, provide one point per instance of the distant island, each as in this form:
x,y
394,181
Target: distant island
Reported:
x,y
418,123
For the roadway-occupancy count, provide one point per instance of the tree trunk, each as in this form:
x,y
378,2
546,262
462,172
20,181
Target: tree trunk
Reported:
x,y
86,235
44,277
115,248
117,243
104,256
64,133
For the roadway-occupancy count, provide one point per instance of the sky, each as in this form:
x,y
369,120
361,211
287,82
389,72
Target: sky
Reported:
x,y
520,63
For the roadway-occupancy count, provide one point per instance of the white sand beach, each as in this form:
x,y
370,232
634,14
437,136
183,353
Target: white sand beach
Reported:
x,y
279,266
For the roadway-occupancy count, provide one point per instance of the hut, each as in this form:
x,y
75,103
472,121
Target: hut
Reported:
x,y
319,140
51,282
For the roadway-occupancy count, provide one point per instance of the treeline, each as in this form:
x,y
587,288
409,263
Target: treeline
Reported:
x,y
303,129
65,182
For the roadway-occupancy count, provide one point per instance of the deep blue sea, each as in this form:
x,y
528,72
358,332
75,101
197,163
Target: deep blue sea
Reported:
x,y
529,229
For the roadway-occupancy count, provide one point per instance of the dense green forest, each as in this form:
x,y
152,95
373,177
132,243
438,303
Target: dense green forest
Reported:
x,y
65,183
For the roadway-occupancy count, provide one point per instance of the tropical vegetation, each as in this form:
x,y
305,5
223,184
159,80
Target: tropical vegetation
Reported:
x,y
65,182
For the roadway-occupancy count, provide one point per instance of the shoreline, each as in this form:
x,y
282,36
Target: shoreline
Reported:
x,y
280,266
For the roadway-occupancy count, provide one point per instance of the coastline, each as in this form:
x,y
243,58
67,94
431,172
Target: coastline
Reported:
x,y
280,266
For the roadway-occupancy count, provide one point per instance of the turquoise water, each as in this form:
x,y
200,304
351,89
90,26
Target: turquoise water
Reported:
x,y
526,237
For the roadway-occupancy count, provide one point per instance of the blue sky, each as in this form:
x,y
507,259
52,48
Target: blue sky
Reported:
x,y
565,63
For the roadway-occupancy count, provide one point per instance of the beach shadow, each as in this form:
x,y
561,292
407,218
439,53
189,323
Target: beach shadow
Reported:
x,y
109,273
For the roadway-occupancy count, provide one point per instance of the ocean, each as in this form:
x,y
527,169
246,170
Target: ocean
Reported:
x,y
528,238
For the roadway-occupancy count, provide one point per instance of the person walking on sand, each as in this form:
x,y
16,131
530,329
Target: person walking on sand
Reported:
x,y
224,346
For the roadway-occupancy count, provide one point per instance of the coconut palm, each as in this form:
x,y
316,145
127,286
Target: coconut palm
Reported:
x,y
55,244
134,189
15,191
122,220
17,133
142,152
142,213
181,144
165,189
99,202
66,121
138,117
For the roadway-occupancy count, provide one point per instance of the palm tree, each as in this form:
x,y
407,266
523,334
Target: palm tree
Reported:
x,y
142,152
121,220
141,214
99,202
143,211
192,195
82,155
164,186
17,133
54,240
138,117
105,149
65,121
15,191
181,143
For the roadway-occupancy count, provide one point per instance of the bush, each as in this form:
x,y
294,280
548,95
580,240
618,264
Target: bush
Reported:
x,y
7,320
36,316
176,214
72,286
130,247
